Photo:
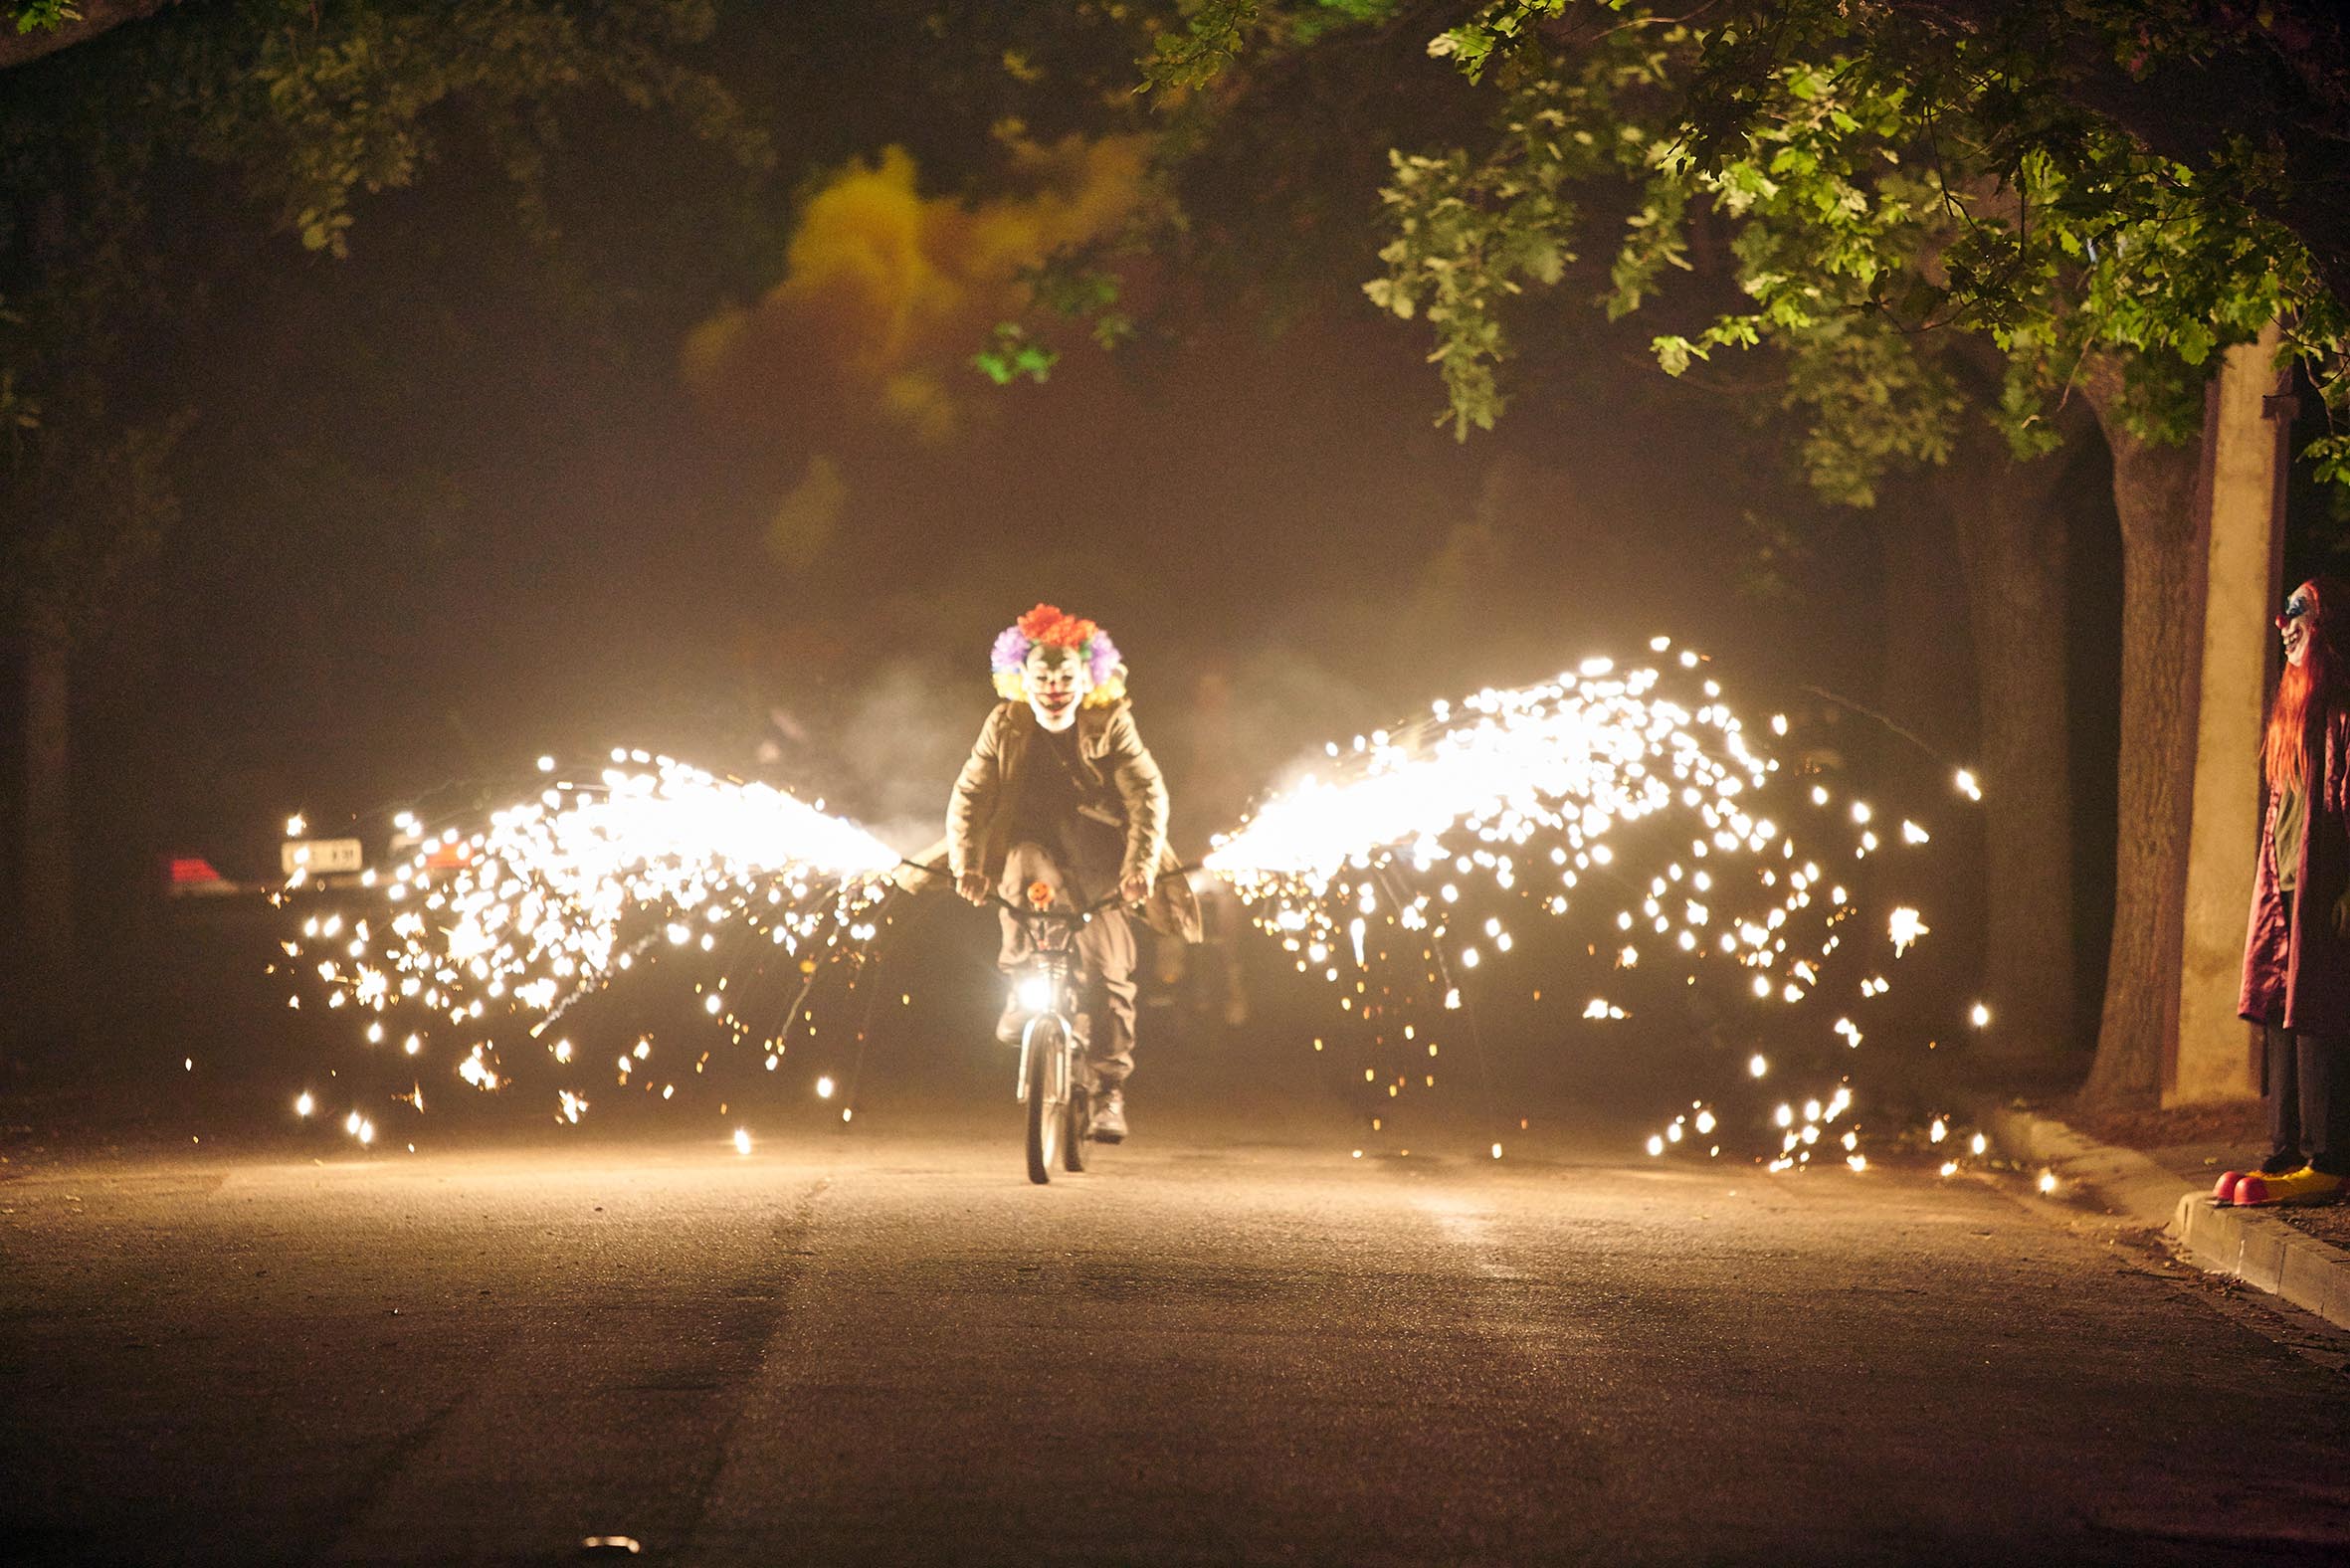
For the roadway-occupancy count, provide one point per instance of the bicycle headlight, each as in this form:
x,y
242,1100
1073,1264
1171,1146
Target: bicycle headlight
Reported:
x,y
1036,994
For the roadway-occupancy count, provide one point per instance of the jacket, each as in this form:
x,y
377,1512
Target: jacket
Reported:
x,y
2296,971
1119,784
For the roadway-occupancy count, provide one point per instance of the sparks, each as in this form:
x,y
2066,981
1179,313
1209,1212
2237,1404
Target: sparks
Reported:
x,y
1905,927
551,900
1638,789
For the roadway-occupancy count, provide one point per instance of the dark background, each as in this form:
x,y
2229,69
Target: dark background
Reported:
x,y
455,502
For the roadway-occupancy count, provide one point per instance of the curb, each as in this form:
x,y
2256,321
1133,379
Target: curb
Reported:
x,y
2257,1248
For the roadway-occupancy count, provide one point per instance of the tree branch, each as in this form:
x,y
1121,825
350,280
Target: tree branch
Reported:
x,y
98,16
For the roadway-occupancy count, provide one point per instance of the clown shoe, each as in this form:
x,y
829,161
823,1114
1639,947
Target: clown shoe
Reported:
x,y
2268,1170
2307,1185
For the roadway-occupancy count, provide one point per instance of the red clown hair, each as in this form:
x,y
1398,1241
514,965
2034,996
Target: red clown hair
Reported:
x,y
1048,626
2318,679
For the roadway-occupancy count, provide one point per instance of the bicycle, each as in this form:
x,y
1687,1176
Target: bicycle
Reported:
x,y
1055,1080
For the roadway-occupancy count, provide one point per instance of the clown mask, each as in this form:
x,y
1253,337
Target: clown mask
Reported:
x,y
2293,625
1056,681
1057,663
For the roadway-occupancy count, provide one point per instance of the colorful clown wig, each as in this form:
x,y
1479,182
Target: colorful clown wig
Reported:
x,y
2320,679
1046,626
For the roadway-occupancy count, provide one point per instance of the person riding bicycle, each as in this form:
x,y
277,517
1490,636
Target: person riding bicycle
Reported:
x,y
1061,790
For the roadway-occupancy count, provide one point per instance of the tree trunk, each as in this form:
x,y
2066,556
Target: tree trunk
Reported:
x,y
2154,492
2012,545
44,1020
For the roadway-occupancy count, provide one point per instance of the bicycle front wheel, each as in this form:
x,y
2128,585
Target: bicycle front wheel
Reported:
x,y
1048,1091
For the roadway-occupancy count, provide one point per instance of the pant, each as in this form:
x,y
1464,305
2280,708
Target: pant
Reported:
x,y
2308,1091
1104,946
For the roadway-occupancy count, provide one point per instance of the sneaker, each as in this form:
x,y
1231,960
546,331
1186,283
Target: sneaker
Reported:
x,y
1109,1116
2307,1185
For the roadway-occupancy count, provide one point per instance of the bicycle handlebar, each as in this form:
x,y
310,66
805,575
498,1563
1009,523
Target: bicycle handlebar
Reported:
x,y
904,863
1001,902
1073,917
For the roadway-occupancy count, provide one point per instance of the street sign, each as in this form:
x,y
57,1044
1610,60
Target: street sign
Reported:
x,y
320,855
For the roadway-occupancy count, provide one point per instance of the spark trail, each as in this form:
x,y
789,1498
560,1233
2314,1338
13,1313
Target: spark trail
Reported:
x,y
500,932
1376,871
1633,802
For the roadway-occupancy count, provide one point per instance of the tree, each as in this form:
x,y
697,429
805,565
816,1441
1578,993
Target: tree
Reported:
x,y
1871,396
1932,213
1913,185
132,161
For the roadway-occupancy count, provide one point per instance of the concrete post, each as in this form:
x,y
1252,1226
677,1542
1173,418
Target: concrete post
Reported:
x,y
2213,1057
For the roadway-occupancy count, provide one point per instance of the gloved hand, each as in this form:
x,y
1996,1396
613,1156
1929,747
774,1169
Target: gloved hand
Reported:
x,y
1135,886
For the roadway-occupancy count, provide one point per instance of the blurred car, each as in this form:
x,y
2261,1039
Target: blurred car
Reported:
x,y
337,862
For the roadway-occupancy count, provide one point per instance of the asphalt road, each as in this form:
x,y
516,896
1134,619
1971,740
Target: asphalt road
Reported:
x,y
1232,1341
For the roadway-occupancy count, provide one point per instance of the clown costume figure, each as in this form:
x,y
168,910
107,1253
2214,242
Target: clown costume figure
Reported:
x,y
2296,959
1061,790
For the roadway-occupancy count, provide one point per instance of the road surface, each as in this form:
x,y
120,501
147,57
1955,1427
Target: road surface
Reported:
x,y
1232,1342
